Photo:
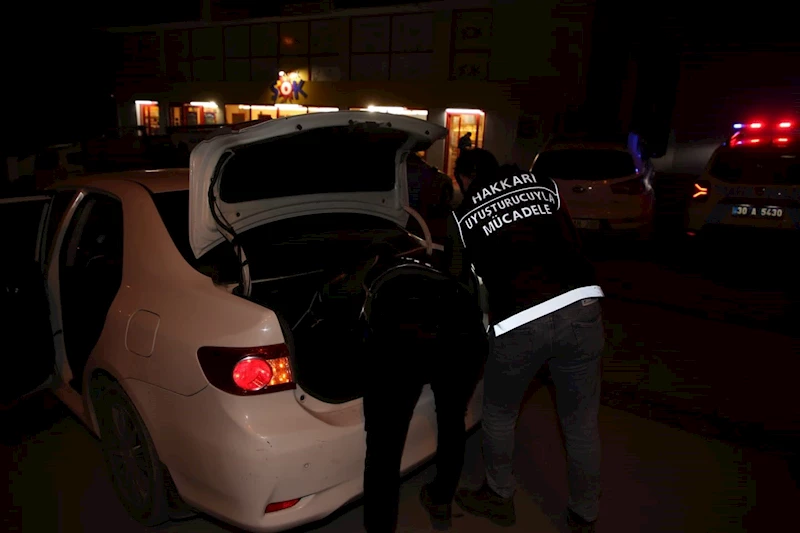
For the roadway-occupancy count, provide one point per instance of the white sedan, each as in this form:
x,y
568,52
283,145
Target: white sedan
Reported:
x,y
182,315
607,184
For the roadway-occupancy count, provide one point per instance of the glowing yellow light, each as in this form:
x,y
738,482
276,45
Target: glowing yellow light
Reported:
x,y
204,104
395,110
145,102
458,111
282,371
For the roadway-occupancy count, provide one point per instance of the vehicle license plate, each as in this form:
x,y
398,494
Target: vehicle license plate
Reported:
x,y
746,210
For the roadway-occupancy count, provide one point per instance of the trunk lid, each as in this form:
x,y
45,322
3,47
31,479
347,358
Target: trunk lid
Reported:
x,y
344,162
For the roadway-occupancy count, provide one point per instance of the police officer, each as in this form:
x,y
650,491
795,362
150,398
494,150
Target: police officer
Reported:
x,y
514,228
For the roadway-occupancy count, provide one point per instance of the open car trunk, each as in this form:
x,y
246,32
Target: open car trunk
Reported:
x,y
317,203
338,291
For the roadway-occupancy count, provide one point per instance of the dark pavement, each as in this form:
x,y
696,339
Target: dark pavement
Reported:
x,y
700,420
671,381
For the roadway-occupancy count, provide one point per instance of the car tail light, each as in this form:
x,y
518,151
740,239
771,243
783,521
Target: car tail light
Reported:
x,y
280,506
634,186
247,371
755,125
782,140
700,192
785,125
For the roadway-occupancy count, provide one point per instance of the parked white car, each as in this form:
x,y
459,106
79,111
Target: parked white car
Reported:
x,y
196,368
607,185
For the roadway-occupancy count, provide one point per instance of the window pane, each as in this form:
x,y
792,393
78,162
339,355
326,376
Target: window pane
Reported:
x,y
595,165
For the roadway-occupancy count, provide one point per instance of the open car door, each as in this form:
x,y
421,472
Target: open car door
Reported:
x,y
25,331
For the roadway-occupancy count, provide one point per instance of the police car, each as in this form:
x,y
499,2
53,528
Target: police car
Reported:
x,y
752,181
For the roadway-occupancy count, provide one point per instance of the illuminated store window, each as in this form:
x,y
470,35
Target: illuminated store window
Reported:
x,y
236,113
147,116
460,122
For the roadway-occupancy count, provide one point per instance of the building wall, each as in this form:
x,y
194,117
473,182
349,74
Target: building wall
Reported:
x,y
505,57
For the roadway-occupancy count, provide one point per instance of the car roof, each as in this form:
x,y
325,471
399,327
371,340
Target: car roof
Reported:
x,y
156,181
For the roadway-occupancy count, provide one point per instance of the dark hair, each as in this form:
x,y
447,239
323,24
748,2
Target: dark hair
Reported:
x,y
509,168
476,161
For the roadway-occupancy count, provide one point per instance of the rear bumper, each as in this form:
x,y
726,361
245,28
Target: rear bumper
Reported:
x,y
624,219
717,218
622,229
231,456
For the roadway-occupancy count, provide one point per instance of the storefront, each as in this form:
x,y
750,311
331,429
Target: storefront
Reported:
x,y
421,114
195,114
236,113
461,123
147,116
465,125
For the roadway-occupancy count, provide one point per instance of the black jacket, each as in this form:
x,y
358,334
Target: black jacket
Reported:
x,y
516,232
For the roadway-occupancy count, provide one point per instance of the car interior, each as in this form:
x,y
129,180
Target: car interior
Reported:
x,y
90,274
25,328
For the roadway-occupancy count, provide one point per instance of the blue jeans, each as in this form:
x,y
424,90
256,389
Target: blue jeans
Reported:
x,y
571,340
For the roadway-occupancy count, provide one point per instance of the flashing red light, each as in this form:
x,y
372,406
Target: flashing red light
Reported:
x,y
782,140
755,125
785,125
754,141
280,506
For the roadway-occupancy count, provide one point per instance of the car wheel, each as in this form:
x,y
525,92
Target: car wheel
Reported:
x,y
136,473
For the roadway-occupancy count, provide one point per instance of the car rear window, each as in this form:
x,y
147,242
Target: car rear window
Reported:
x,y
285,247
590,165
737,165
220,263
341,159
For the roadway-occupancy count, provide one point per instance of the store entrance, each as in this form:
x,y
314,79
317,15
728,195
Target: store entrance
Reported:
x,y
460,123
147,116
194,114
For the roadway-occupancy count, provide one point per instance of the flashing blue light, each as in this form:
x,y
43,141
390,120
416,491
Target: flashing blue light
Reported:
x,y
738,126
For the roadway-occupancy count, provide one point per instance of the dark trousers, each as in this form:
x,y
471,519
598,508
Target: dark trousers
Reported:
x,y
389,404
571,340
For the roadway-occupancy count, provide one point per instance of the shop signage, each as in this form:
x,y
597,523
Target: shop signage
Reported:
x,y
288,88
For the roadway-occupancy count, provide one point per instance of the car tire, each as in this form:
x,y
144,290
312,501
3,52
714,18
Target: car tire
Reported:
x,y
136,472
